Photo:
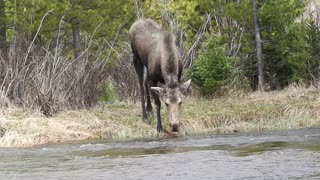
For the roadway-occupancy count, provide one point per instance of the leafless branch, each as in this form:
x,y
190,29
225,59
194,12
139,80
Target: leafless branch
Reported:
x,y
189,55
36,35
138,10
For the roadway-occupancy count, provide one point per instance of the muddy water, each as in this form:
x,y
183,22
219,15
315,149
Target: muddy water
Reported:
x,y
293,154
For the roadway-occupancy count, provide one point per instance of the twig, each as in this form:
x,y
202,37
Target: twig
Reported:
x,y
35,36
189,55
138,11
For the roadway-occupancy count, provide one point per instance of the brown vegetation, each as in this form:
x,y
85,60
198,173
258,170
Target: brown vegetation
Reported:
x,y
32,77
294,107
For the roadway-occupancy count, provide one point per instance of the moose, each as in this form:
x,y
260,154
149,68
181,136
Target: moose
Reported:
x,y
159,69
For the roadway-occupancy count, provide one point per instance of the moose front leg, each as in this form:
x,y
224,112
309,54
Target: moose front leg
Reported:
x,y
147,92
158,107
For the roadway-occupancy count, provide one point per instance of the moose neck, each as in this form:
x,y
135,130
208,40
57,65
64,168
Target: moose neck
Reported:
x,y
171,81
169,62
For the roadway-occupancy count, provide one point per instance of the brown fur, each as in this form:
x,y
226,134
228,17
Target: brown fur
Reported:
x,y
154,50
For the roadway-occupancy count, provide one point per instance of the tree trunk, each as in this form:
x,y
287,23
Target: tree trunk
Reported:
x,y
76,37
258,46
3,28
75,25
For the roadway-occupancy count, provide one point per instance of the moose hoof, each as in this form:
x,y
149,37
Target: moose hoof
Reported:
x,y
149,110
168,134
146,120
159,129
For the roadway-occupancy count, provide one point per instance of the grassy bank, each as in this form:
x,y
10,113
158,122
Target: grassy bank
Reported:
x,y
290,108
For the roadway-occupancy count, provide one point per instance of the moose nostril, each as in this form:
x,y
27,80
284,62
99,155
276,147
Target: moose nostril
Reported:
x,y
175,128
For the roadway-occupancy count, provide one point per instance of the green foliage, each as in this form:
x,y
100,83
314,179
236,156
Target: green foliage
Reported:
x,y
279,32
24,17
290,48
107,93
184,13
312,62
212,69
305,54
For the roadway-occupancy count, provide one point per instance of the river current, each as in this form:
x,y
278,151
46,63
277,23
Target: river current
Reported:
x,y
291,154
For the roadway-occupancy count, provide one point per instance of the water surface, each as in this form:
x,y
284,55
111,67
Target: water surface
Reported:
x,y
293,154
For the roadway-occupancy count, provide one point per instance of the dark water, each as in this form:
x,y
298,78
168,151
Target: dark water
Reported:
x,y
293,154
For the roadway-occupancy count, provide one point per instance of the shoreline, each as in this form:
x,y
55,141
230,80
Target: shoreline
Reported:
x,y
287,109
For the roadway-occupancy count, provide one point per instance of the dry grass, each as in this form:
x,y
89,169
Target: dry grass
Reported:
x,y
294,107
27,129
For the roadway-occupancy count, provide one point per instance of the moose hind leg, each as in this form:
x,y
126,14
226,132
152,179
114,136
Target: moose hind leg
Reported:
x,y
139,69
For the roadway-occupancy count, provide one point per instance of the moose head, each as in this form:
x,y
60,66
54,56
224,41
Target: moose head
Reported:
x,y
172,95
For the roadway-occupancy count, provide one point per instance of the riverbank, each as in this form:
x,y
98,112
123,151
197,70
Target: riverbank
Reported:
x,y
294,107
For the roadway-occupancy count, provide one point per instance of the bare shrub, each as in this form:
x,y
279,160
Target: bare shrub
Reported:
x,y
35,77
123,76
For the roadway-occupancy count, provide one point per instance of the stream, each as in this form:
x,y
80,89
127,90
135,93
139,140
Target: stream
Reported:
x,y
290,154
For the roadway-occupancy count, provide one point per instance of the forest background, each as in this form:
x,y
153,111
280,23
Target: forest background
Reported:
x,y
72,53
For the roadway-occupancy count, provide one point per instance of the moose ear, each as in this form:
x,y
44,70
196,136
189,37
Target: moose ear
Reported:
x,y
185,87
157,90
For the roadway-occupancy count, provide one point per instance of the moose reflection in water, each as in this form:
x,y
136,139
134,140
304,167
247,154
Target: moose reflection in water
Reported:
x,y
155,52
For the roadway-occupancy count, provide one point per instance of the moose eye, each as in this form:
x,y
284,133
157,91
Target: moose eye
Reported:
x,y
180,101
